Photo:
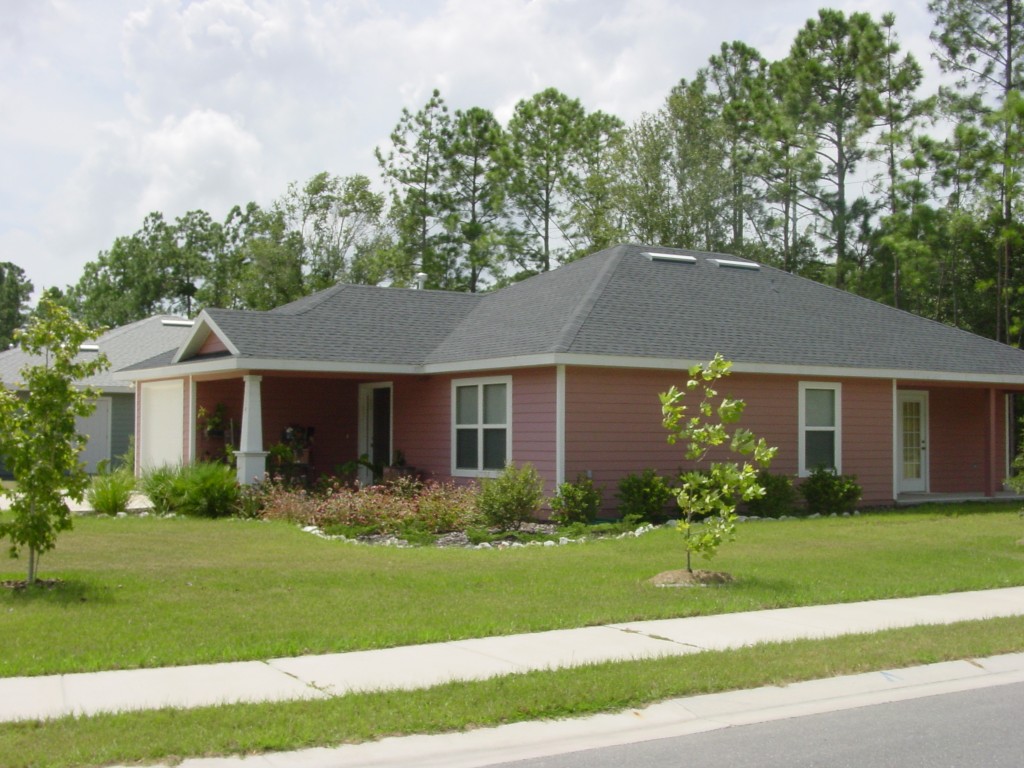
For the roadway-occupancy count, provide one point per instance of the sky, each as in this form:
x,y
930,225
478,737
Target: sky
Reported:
x,y
112,109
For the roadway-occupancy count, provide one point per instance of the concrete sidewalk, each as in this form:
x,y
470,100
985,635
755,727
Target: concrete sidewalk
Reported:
x,y
421,666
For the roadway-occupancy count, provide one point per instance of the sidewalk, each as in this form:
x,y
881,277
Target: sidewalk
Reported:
x,y
422,666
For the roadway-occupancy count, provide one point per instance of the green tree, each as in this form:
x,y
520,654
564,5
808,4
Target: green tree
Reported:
x,y
336,216
982,41
15,291
474,196
414,168
835,74
38,439
270,261
544,136
737,77
709,491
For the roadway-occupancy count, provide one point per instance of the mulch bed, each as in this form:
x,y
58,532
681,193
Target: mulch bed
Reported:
x,y
685,578
23,583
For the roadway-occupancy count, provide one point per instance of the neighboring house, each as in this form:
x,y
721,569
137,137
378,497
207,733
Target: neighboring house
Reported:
x,y
112,423
563,370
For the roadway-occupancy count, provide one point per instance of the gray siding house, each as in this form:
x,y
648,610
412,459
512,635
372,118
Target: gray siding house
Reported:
x,y
111,426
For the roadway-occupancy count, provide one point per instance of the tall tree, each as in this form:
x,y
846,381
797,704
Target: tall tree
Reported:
x,y
335,215
474,196
737,78
543,139
699,167
414,168
982,41
127,282
835,76
270,261
15,291
644,191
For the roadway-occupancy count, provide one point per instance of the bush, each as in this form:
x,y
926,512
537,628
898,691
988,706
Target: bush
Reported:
x,y
109,492
577,502
779,496
157,485
827,492
644,497
203,489
512,498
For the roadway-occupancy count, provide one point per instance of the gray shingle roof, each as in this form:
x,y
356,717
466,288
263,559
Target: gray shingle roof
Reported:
x,y
124,346
619,303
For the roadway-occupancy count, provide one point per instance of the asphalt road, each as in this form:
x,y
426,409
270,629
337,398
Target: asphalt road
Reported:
x,y
973,729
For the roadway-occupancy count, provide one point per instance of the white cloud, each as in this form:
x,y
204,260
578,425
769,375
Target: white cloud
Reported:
x,y
127,106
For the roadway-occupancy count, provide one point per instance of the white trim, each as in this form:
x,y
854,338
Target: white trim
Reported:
x,y
836,429
365,427
559,425
193,427
896,472
922,396
197,338
1011,450
480,383
237,364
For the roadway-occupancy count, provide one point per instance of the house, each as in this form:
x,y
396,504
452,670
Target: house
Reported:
x,y
110,427
563,370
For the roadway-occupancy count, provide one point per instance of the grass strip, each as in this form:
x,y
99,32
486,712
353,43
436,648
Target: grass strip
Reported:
x,y
162,592
169,735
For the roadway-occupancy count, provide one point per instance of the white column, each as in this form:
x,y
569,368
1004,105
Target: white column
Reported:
x,y
251,459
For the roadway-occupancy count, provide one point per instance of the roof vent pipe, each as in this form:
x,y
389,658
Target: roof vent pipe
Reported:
x,y
421,280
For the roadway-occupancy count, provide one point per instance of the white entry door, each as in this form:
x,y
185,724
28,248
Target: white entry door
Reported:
x,y
95,427
374,427
912,442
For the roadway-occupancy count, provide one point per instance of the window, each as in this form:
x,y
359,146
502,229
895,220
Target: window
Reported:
x,y
820,426
481,429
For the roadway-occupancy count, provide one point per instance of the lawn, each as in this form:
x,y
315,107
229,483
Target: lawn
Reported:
x,y
143,592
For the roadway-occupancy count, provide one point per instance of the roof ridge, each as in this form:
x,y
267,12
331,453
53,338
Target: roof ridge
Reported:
x,y
586,305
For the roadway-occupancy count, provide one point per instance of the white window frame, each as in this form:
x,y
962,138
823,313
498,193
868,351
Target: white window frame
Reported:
x,y
480,383
802,427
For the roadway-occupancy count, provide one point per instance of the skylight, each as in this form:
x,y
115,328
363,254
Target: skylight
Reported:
x,y
677,258
89,347
177,323
729,263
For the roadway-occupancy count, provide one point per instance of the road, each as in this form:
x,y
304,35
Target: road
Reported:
x,y
978,728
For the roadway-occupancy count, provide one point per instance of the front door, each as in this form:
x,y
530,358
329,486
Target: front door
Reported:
x,y
912,442
374,428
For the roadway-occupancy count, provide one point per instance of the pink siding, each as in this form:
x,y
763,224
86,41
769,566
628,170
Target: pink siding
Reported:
x,y
212,345
958,439
422,420
329,405
209,394
867,437
613,425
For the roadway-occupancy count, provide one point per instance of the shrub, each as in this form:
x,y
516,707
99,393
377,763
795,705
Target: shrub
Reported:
x,y
109,492
157,485
826,492
512,498
779,496
644,497
577,502
202,489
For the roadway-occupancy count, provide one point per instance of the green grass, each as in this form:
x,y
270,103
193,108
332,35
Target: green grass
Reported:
x,y
158,592
167,735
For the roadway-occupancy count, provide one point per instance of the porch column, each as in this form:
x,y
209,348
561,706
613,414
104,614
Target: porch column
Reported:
x,y
991,447
251,459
